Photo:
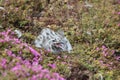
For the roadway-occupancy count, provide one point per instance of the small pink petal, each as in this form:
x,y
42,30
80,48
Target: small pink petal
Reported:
x,y
52,65
118,13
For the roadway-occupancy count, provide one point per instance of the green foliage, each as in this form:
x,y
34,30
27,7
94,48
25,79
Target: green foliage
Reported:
x,y
87,28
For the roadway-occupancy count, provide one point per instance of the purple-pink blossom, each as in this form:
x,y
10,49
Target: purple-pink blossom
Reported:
x,y
118,24
34,52
16,68
9,52
3,63
118,13
117,58
23,67
53,66
58,57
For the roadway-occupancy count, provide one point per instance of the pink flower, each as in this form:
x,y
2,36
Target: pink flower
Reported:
x,y
52,79
113,51
118,24
35,53
2,41
56,75
16,8
53,66
65,56
103,47
27,63
3,63
118,13
118,1
41,75
16,68
36,68
118,58
16,40
101,62
63,62
47,76
45,71
20,52
97,48
4,74
13,55
62,78
9,52
34,77
58,57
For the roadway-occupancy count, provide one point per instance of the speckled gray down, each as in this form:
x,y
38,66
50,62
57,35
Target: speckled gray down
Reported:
x,y
52,41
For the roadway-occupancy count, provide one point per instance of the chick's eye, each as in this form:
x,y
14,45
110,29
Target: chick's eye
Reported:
x,y
54,40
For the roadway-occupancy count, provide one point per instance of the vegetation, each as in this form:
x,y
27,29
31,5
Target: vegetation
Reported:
x,y
92,26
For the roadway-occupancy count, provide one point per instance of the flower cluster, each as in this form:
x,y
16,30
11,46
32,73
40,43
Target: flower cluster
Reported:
x,y
21,66
107,57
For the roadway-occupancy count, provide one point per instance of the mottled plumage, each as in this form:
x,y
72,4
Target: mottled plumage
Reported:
x,y
55,42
